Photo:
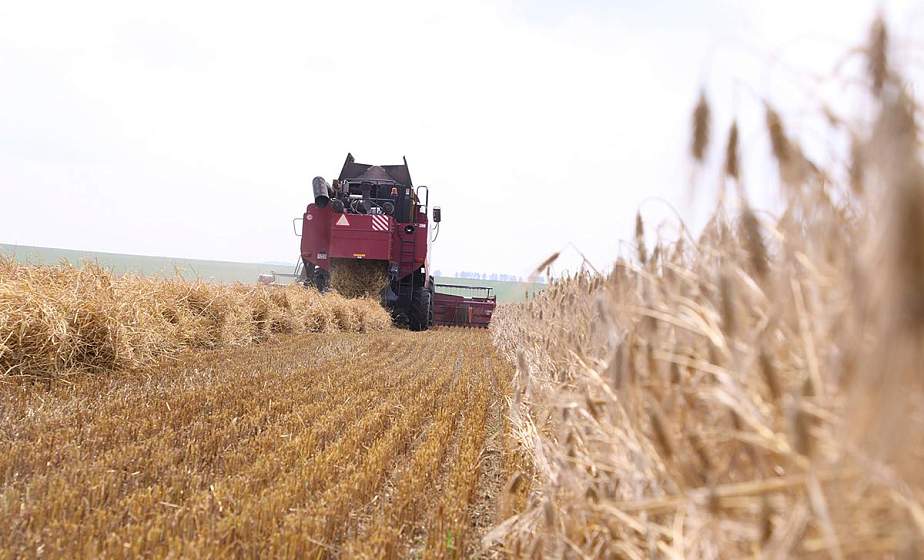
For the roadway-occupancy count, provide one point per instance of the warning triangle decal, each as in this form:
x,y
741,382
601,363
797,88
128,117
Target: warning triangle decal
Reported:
x,y
343,221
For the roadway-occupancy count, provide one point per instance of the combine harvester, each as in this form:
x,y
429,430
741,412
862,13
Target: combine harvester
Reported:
x,y
375,214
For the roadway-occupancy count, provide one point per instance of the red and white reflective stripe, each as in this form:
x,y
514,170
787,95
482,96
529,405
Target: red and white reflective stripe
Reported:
x,y
379,222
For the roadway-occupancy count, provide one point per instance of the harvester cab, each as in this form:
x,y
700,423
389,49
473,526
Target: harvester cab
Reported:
x,y
370,226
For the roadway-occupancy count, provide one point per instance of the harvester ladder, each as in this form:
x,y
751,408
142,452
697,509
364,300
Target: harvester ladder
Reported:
x,y
407,251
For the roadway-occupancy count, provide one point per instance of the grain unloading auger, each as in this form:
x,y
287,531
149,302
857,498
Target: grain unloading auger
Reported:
x,y
374,214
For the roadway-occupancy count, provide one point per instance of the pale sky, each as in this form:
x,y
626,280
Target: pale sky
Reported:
x,y
193,129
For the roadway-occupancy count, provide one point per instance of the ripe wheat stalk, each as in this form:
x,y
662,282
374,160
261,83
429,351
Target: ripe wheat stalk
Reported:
x,y
756,393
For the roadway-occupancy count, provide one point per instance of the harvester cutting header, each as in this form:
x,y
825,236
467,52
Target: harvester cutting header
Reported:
x,y
372,219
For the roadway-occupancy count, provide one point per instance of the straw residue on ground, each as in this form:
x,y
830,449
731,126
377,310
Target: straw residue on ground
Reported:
x,y
358,445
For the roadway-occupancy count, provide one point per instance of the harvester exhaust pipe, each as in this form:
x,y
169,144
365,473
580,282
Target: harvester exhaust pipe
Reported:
x,y
321,191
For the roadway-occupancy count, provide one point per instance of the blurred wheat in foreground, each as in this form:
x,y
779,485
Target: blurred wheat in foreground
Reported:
x,y
60,319
756,392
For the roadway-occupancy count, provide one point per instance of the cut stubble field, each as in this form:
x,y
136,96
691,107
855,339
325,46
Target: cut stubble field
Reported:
x,y
381,444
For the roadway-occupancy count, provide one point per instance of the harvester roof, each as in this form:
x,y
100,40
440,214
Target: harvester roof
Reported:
x,y
397,173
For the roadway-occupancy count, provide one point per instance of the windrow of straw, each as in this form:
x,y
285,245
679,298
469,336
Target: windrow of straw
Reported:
x,y
62,318
756,392
357,278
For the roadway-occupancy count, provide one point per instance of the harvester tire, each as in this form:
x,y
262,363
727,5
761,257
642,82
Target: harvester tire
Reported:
x,y
419,316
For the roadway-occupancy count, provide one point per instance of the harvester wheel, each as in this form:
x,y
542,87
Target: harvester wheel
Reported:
x,y
419,318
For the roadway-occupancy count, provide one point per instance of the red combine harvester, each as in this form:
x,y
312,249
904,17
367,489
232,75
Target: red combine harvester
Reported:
x,y
374,213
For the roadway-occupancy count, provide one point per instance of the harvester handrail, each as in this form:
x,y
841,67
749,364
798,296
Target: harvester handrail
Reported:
x,y
426,200
487,289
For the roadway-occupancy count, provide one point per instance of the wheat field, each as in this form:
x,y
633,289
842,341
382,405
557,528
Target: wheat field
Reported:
x,y
749,390
753,390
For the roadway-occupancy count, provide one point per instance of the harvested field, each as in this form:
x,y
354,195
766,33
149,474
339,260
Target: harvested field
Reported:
x,y
355,444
